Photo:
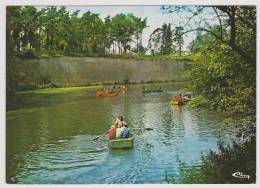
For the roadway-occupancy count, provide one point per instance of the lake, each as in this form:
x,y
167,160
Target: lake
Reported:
x,y
50,137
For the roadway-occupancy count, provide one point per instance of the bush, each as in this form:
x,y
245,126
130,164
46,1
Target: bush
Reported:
x,y
28,54
53,85
199,102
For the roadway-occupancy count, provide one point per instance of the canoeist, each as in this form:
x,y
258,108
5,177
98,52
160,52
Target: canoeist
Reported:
x,y
118,132
178,98
112,132
119,121
125,131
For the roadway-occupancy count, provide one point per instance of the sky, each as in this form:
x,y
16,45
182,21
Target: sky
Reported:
x,y
155,17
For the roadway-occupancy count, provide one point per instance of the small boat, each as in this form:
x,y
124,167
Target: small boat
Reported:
x,y
176,102
121,143
152,91
106,93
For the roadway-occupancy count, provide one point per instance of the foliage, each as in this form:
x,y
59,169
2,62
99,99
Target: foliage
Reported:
x,y
222,75
161,41
54,30
179,38
225,78
28,54
199,102
236,26
158,57
215,77
201,40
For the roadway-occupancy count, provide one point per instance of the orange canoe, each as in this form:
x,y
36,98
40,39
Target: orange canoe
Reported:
x,y
176,103
106,93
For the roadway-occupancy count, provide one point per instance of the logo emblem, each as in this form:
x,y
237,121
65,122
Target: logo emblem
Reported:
x,y
240,175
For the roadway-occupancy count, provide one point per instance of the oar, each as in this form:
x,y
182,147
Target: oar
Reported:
x,y
97,137
148,128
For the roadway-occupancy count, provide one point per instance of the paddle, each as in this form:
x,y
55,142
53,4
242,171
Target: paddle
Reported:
x,y
97,137
148,128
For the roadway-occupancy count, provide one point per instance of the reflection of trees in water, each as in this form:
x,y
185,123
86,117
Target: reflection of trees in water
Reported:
x,y
172,124
208,126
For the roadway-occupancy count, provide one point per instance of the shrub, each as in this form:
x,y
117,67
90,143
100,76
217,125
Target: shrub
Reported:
x,y
28,54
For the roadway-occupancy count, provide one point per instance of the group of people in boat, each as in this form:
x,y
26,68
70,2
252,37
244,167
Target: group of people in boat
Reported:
x,y
119,129
114,87
118,87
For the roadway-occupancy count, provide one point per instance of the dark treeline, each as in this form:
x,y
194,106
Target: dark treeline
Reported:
x,y
54,30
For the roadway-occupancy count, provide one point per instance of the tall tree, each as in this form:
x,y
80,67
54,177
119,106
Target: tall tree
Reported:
x,y
178,38
54,30
123,30
93,30
139,26
161,40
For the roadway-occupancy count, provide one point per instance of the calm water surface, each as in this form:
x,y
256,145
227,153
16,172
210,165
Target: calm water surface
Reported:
x,y
50,137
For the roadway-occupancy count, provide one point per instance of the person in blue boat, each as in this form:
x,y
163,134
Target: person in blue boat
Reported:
x,y
125,133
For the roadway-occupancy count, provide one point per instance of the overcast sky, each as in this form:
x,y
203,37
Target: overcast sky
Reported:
x,y
155,17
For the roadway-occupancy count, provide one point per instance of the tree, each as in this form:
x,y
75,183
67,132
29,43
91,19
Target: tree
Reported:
x,y
161,40
109,41
76,34
123,29
12,47
231,20
215,74
200,41
178,38
93,29
54,30
139,26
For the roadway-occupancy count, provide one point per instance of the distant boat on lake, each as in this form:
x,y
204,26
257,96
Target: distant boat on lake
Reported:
x,y
106,93
159,90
